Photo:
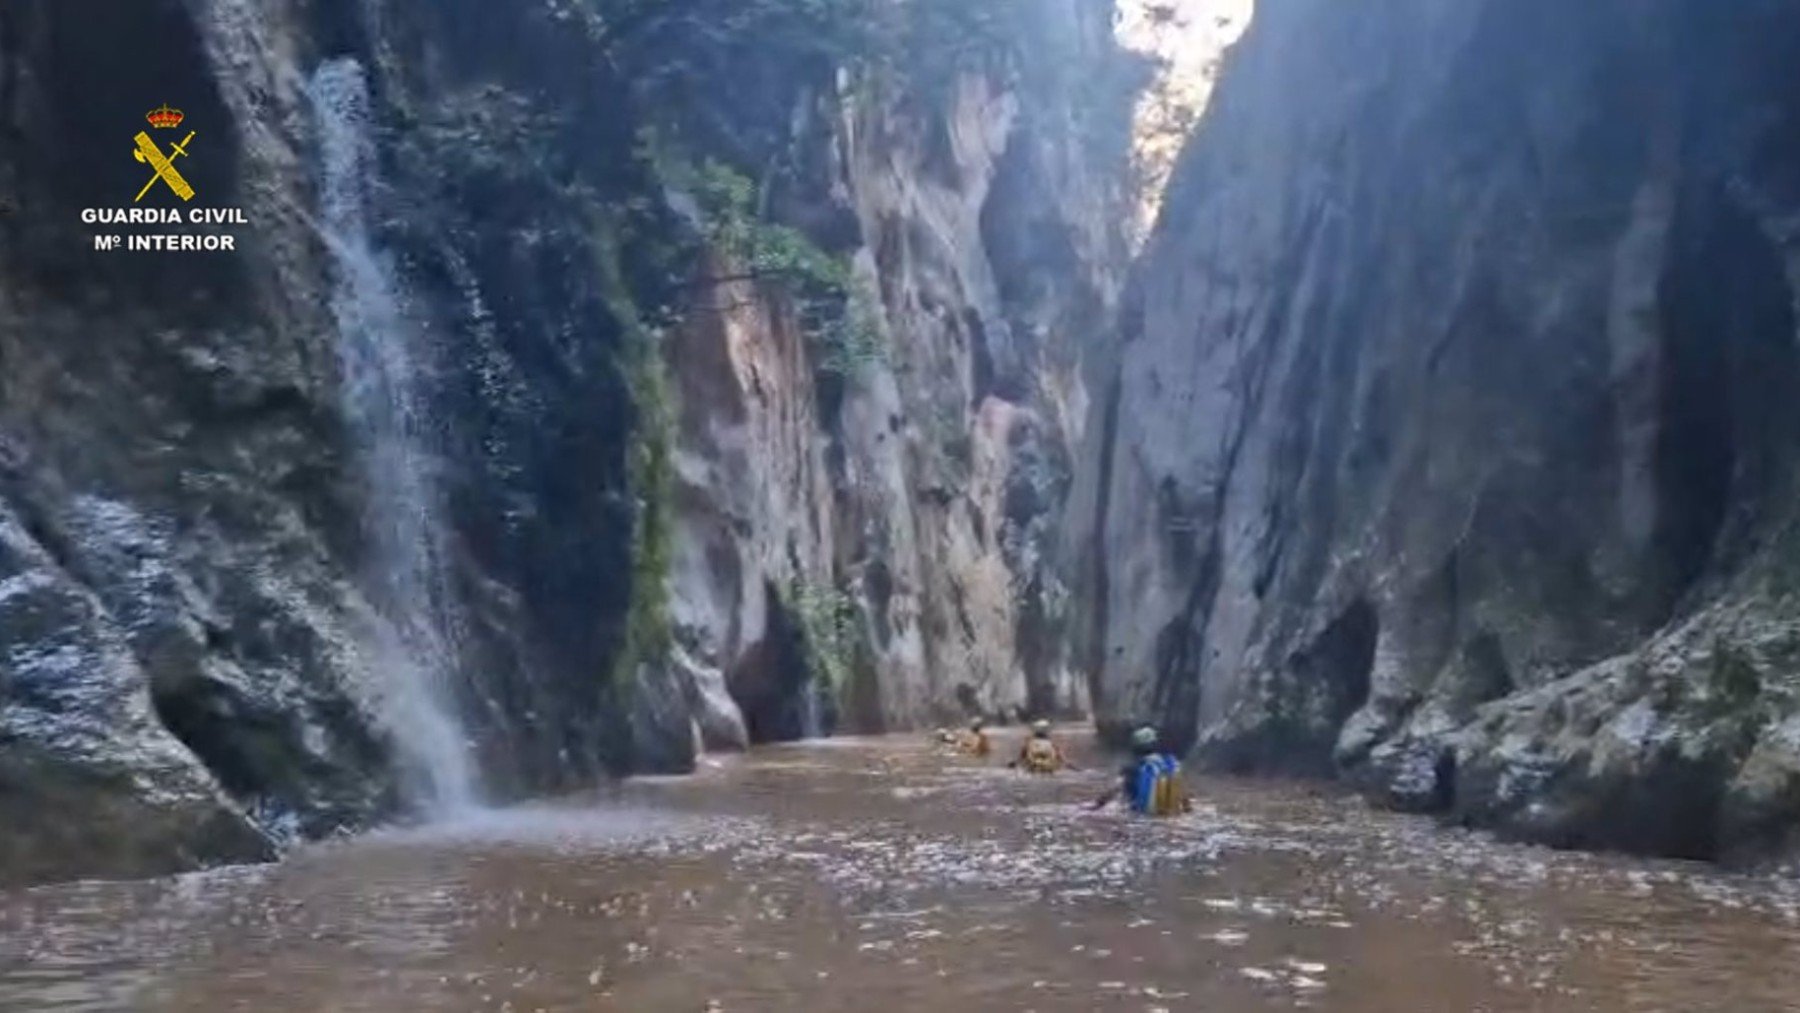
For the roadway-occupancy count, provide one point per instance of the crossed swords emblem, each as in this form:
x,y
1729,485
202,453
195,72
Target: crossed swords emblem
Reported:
x,y
147,151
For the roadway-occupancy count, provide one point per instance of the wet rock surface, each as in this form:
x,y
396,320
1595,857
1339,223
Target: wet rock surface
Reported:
x,y
460,246
825,876
173,438
82,741
180,664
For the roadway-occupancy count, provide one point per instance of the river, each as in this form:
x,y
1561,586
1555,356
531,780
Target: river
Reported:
x,y
877,874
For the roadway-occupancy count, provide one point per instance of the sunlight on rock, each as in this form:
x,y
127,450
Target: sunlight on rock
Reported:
x,y
1186,41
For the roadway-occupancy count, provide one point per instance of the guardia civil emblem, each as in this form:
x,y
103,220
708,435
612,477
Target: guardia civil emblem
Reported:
x,y
163,118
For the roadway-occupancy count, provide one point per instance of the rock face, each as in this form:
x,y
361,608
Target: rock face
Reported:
x,y
178,648
634,502
1450,445
917,492
83,741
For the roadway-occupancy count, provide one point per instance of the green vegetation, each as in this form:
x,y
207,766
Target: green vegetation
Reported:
x,y
841,318
851,341
650,470
829,625
728,199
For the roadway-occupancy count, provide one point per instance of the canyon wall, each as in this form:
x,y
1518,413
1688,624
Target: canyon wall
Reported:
x,y
1450,444
911,495
490,464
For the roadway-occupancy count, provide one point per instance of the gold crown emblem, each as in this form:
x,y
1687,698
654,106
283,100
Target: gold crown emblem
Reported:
x,y
164,118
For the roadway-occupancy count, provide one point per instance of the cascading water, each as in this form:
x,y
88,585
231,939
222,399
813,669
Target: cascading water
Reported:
x,y
415,651
812,723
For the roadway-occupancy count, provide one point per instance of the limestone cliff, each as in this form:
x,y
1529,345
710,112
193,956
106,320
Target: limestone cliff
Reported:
x,y
491,463
907,501
1451,443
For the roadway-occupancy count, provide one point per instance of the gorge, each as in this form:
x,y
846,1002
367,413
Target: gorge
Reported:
x,y
598,383
1451,451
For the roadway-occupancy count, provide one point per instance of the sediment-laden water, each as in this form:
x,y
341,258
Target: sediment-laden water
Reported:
x,y
878,875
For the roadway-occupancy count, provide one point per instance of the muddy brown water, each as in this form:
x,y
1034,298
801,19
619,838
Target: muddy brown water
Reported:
x,y
876,874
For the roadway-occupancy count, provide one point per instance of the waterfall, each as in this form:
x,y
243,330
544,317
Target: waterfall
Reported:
x,y
812,724
414,654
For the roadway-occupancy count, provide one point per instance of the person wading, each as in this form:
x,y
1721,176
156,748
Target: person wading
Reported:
x,y
1040,754
975,740
1151,782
